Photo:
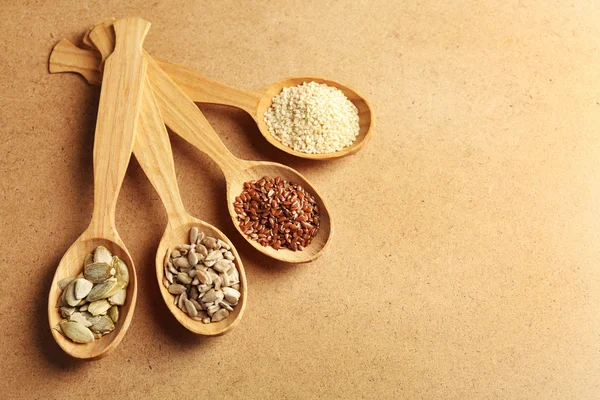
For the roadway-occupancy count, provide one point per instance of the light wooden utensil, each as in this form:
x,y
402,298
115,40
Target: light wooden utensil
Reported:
x,y
120,102
202,89
185,119
153,151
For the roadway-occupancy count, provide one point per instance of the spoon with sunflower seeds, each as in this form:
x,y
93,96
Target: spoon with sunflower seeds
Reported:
x,y
120,102
185,271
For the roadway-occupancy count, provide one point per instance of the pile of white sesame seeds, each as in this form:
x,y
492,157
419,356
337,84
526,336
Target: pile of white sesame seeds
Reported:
x,y
313,118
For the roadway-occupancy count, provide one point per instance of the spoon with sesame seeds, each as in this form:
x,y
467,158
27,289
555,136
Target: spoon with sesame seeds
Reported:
x,y
185,119
202,89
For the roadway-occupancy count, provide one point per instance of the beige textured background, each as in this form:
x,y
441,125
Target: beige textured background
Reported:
x,y
465,259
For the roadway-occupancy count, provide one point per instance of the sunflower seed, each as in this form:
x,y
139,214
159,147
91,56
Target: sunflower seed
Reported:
x,y
200,237
225,306
221,266
168,275
225,279
98,272
181,302
229,256
99,307
194,293
212,309
176,300
101,290
102,255
214,255
223,244
192,258
201,251
220,315
196,304
209,242
206,320
82,288
181,262
76,332
193,235
236,286
171,268
175,254
165,282
191,308
217,282
204,277
184,278
176,288
63,283
195,281
231,294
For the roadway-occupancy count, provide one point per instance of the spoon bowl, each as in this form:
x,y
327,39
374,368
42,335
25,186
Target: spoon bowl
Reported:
x,y
70,266
365,116
256,170
179,235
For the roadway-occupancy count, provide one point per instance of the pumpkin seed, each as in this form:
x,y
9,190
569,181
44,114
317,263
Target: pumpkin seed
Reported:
x,y
66,312
82,288
113,313
122,272
99,307
102,255
81,317
89,259
102,290
76,332
63,283
102,324
98,272
118,299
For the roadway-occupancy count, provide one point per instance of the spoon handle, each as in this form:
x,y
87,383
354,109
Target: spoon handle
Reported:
x,y
202,89
152,149
66,57
120,101
184,118
196,86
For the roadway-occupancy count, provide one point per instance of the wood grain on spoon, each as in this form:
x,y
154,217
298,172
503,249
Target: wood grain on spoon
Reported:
x,y
120,102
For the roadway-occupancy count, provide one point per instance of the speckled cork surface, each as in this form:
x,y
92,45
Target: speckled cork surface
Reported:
x,y
465,262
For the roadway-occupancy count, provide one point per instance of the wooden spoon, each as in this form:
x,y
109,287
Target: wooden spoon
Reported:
x,y
120,101
153,151
185,119
202,89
